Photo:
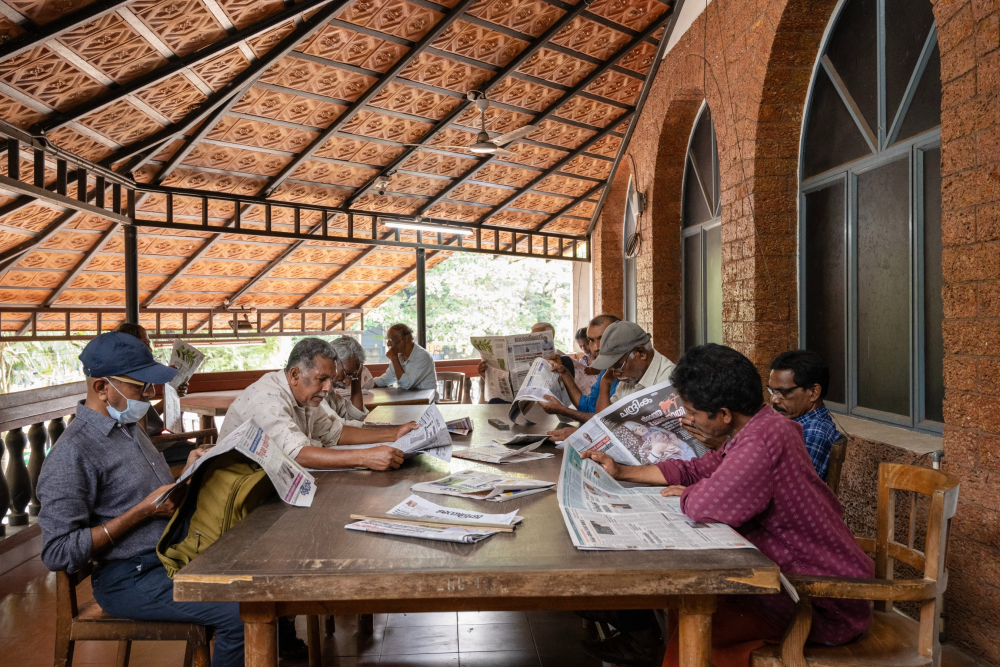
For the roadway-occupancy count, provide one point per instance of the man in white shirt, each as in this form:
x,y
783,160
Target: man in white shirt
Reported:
x,y
287,405
410,366
350,362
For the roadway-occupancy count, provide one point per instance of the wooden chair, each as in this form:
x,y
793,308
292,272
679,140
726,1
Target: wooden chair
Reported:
x,y
88,622
202,436
452,387
838,452
893,639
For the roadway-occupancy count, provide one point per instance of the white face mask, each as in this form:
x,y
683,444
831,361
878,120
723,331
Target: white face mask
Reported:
x,y
134,410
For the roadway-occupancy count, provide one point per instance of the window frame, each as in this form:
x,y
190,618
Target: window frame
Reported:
x,y
913,150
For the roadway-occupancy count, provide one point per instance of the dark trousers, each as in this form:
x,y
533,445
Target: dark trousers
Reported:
x,y
139,589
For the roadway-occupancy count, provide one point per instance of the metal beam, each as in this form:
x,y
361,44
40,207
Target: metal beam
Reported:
x,y
568,207
38,35
176,65
421,268
391,74
661,51
237,86
555,106
63,201
446,122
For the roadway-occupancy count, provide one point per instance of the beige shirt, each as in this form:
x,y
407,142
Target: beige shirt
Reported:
x,y
270,403
659,371
343,408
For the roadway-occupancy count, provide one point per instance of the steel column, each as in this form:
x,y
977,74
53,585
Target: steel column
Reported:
x,y
131,274
421,298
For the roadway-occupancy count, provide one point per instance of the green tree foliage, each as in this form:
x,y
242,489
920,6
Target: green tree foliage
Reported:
x,y
41,364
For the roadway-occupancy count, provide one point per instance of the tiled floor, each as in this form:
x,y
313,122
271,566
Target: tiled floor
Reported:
x,y
477,639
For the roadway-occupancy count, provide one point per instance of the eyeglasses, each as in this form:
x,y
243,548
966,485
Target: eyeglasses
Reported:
x,y
783,391
146,386
349,376
621,364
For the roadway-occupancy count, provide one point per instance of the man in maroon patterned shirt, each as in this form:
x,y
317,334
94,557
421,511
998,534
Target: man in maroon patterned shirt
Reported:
x,y
761,482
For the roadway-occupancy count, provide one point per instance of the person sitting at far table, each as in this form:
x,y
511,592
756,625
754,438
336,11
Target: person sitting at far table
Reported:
x,y
99,488
586,402
350,362
798,384
286,404
763,484
410,366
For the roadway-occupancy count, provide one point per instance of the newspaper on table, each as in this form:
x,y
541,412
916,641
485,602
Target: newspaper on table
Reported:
x,y
416,507
641,429
600,513
293,483
540,383
430,437
509,358
483,486
186,359
497,453
461,426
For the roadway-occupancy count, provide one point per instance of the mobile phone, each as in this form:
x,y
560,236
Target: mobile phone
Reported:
x,y
500,424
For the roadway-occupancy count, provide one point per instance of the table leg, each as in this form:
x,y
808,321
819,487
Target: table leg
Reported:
x,y
261,627
694,622
315,652
366,624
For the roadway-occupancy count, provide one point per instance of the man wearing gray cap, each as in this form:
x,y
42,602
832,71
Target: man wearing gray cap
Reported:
x,y
630,359
99,488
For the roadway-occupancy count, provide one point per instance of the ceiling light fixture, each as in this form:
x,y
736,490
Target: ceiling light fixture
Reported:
x,y
397,224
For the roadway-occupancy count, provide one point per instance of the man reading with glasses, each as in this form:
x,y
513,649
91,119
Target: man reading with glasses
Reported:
x,y
410,366
99,486
349,365
798,384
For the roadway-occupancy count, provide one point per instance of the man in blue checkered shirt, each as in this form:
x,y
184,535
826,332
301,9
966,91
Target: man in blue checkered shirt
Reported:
x,y
798,383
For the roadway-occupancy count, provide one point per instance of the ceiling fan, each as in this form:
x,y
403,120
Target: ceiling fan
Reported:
x,y
483,144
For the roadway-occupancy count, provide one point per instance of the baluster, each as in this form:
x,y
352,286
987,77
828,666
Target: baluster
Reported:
x,y
56,428
17,478
4,492
37,437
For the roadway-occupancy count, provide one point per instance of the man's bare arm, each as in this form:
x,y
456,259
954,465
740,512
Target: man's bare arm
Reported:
x,y
376,458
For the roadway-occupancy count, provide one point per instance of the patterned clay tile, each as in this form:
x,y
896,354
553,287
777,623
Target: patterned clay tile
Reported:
x,y
590,38
359,150
378,126
639,59
81,144
311,77
504,174
393,17
563,185
229,158
43,11
557,67
280,105
122,123
591,112
483,44
353,48
183,25
560,134
436,70
173,98
114,47
617,86
416,185
261,44
437,163
261,134
221,69
530,18
479,194
333,174
18,114
634,14
45,76
244,12
415,101
525,94
588,166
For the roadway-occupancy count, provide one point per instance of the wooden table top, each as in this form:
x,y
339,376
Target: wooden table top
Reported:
x,y
285,553
216,403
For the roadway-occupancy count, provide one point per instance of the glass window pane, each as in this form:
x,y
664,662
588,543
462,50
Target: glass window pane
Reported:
x,y
703,151
695,208
713,285
908,23
825,278
832,137
694,327
883,361
853,49
925,109
933,307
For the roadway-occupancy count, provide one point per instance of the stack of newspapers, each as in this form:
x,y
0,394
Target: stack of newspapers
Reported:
x,y
483,486
416,517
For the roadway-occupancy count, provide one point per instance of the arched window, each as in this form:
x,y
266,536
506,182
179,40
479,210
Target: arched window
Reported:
x,y
630,252
701,232
870,213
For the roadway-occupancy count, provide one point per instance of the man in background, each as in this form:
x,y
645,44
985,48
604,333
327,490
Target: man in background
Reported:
x,y
585,402
410,366
349,364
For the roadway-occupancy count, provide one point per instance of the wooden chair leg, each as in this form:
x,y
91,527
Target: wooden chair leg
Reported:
x,y
188,654
331,625
124,649
64,650
312,640
202,656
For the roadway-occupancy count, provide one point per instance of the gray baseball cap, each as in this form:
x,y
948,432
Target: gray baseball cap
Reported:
x,y
618,340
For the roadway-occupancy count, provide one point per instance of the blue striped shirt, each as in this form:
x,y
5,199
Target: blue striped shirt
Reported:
x,y
820,433
588,402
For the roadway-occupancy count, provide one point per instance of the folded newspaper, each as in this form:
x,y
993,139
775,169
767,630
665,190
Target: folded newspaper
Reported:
x,y
461,426
292,482
430,437
416,508
497,453
186,359
509,358
540,383
483,486
640,429
600,513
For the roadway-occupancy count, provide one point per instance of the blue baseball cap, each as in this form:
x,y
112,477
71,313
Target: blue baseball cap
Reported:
x,y
116,353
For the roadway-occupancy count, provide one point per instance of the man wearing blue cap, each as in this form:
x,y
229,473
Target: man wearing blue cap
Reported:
x,y
99,485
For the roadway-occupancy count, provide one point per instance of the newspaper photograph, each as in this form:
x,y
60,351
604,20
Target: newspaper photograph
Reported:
x,y
540,383
186,358
641,429
600,514
509,360
497,453
294,485
483,486
430,437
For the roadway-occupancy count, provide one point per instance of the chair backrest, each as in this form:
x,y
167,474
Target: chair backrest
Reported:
x,y
838,452
67,608
452,387
942,491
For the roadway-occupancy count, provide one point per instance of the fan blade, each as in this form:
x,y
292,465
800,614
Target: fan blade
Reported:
x,y
503,152
513,136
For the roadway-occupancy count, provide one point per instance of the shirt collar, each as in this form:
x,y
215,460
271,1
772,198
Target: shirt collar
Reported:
x,y
102,423
813,415
648,378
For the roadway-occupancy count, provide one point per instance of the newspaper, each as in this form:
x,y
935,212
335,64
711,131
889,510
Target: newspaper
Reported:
x,y
483,486
497,453
509,358
641,429
602,514
430,437
461,426
186,359
442,533
416,507
293,483
540,383
172,416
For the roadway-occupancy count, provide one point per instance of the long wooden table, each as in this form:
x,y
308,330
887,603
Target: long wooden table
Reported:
x,y
216,403
284,560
